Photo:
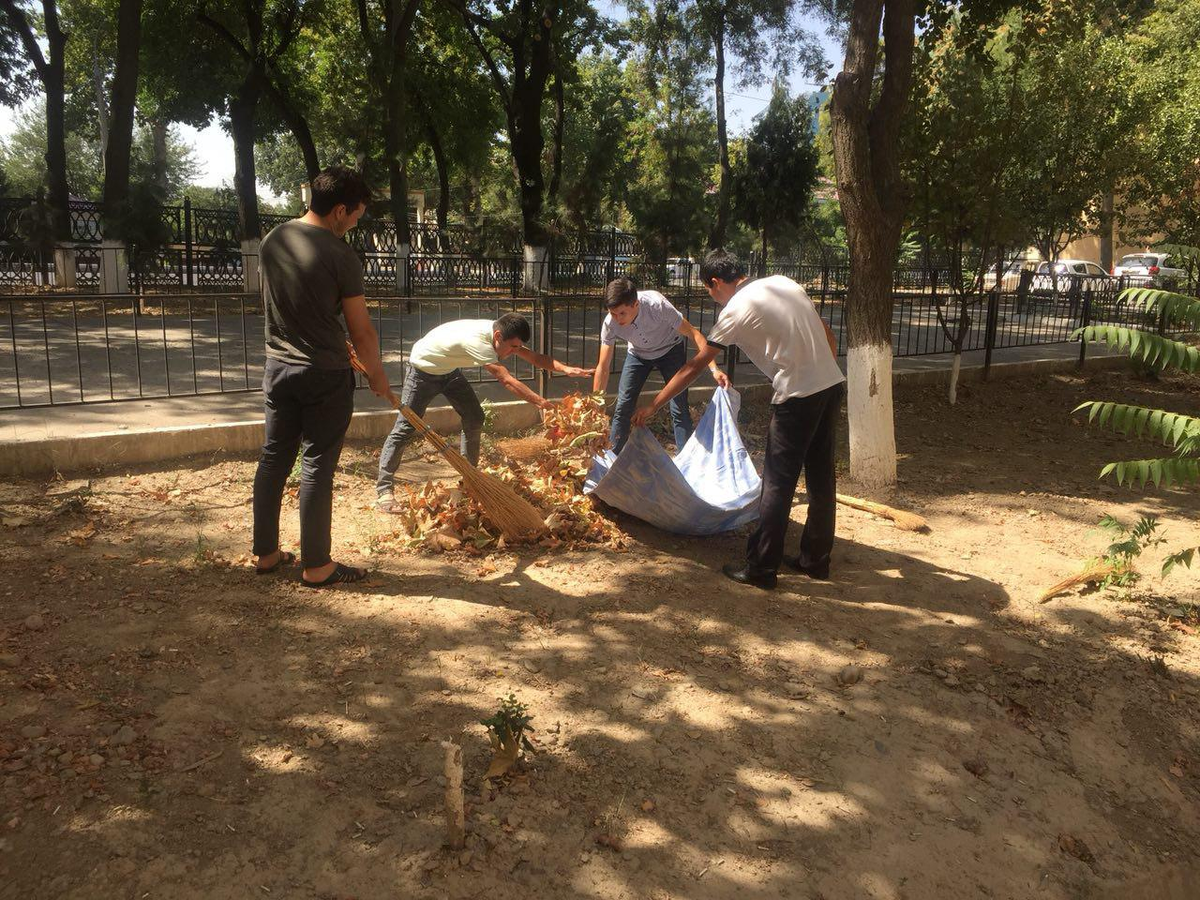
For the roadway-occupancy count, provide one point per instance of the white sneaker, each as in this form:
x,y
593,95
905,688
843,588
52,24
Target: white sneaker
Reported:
x,y
386,503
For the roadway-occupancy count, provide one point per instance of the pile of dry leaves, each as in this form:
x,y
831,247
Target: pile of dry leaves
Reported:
x,y
548,471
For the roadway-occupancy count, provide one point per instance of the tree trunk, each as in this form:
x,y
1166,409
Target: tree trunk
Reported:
x,y
865,147
559,124
868,312
717,237
298,126
1106,232
443,174
158,131
245,182
124,95
56,131
101,100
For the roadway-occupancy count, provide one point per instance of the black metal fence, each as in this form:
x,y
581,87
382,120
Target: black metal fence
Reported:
x,y
81,348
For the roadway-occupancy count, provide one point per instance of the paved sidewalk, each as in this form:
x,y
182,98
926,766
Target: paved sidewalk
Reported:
x,y
42,423
69,438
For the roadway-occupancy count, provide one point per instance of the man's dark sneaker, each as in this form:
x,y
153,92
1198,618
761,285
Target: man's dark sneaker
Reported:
x,y
815,573
743,574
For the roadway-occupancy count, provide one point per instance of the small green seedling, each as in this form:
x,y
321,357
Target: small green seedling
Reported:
x,y
506,730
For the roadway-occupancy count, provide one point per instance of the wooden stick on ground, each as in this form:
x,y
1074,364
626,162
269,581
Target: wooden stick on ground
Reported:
x,y
456,835
905,521
515,516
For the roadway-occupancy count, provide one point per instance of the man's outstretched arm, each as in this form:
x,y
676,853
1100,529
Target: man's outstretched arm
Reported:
x,y
518,387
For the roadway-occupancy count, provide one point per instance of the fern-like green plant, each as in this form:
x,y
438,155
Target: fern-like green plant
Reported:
x,y
1179,432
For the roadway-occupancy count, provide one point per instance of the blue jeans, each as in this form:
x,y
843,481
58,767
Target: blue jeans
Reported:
x,y
633,379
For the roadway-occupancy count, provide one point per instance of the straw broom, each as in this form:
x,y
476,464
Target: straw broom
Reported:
x,y
1093,573
515,516
903,520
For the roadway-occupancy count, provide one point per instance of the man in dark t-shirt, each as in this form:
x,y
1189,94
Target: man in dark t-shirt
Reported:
x,y
312,283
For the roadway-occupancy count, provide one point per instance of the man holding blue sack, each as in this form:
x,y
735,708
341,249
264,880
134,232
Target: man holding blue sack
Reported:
x,y
773,322
655,331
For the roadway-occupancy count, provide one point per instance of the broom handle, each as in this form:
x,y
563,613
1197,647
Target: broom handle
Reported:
x,y
866,505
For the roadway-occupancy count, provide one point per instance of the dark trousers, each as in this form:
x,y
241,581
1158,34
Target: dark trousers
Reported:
x,y
307,409
802,435
420,388
633,379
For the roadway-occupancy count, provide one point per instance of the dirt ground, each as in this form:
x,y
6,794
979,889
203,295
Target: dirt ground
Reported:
x,y
174,726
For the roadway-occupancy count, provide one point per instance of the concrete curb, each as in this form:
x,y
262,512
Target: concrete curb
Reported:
x,y
126,448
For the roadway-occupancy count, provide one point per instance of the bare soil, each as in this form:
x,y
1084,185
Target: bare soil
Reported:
x,y
173,725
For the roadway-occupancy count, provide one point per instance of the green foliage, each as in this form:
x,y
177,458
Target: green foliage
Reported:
x,y
1162,197
776,176
1127,546
1152,349
508,724
1178,431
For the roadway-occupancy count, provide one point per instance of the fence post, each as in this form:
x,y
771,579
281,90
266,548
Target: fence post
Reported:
x,y
544,316
989,333
1086,320
187,241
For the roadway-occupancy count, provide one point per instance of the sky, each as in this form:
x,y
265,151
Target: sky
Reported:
x,y
214,147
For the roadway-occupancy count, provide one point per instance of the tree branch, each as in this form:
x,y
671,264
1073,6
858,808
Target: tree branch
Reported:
x,y
228,35
20,24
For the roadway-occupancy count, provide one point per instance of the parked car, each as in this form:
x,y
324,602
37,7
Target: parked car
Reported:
x,y
1068,272
681,269
1009,277
1149,270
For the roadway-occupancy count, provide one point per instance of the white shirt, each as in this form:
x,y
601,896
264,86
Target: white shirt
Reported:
x,y
776,325
652,333
454,345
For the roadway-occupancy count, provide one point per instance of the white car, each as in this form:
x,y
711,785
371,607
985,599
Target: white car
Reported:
x,y
1089,275
1149,270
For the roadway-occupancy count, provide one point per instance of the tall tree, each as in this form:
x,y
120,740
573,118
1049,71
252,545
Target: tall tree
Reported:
x,y
119,142
49,69
259,33
673,136
868,109
755,33
866,129
386,30
517,40
774,184
1163,198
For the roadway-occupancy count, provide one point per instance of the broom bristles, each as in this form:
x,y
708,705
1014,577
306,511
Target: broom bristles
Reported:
x,y
515,516
1098,572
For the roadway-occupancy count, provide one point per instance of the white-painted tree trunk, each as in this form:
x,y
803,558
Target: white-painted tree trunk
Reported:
x,y
536,274
954,370
869,409
251,274
403,252
114,268
64,266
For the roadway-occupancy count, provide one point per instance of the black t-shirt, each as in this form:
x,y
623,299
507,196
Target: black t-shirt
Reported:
x,y
306,273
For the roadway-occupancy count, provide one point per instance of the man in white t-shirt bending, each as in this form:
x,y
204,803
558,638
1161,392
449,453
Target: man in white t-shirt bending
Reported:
x,y
775,324
435,367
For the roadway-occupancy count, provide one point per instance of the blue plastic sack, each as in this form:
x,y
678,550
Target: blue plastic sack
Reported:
x,y
709,487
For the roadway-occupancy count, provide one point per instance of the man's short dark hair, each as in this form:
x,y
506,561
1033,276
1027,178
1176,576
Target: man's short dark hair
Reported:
x,y
620,292
513,325
337,186
722,265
